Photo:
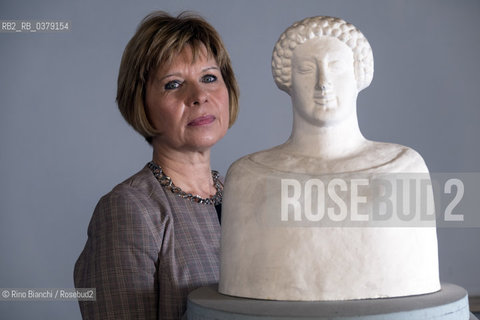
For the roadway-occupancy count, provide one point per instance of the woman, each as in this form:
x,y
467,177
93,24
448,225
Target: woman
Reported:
x,y
155,237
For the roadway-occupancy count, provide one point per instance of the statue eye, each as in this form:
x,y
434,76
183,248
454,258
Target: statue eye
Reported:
x,y
305,68
337,66
174,84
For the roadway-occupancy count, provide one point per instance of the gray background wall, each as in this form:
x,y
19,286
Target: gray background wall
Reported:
x,y
63,144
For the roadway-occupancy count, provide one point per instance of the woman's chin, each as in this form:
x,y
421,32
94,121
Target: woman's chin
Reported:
x,y
205,143
208,140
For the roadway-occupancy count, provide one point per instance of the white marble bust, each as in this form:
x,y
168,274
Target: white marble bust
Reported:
x,y
322,63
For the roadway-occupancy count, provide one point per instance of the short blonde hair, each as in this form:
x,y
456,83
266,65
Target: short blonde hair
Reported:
x,y
316,27
158,39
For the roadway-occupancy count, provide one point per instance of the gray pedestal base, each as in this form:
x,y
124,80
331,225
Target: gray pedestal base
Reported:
x,y
450,303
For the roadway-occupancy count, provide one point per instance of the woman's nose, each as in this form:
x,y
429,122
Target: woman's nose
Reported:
x,y
196,95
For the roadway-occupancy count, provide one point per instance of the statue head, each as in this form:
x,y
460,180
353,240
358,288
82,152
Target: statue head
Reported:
x,y
316,28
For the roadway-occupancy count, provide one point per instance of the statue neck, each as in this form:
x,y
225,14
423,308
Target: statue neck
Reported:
x,y
331,142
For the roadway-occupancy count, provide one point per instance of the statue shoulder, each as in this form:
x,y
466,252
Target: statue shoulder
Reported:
x,y
256,163
416,162
245,168
245,179
399,158
237,166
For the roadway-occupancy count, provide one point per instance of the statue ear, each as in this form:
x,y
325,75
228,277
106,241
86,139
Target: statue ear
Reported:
x,y
288,91
283,87
359,88
363,73
362,85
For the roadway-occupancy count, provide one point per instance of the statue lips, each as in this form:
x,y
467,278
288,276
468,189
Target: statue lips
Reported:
x,y
327,102
203,120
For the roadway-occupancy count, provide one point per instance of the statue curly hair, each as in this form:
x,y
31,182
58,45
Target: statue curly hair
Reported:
x,y
316,27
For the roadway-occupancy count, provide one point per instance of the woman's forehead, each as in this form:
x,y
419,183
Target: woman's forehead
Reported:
x,y
194,50
187,58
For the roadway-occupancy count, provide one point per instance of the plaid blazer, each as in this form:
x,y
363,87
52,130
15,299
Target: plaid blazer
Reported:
x,y
147,248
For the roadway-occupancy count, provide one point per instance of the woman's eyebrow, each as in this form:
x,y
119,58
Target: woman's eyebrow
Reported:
x,y
179,74
168,75
209,68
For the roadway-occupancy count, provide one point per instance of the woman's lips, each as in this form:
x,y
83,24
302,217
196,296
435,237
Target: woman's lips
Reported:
x,y
203,120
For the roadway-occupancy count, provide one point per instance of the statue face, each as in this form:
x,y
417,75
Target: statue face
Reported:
x,y
324,89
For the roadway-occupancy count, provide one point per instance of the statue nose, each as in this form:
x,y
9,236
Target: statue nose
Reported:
x,y
323,86
322,81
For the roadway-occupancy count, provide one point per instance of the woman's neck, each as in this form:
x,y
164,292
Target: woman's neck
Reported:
x,y
331,142
190,171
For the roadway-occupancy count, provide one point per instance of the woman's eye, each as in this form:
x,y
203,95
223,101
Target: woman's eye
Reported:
x,y
172,85
209,78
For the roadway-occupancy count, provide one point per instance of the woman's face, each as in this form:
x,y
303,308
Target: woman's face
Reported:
x,y
187,102
324,89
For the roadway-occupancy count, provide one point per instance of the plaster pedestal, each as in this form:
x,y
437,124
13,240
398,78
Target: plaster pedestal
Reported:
x,y
450,303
